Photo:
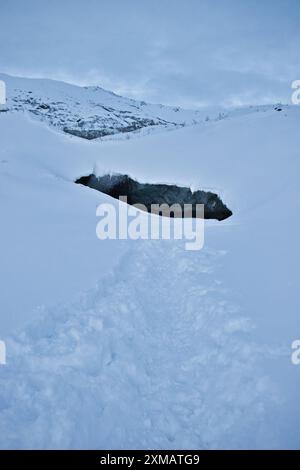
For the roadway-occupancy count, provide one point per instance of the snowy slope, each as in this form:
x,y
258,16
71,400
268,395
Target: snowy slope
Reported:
x,y
90,112
203,363
121,368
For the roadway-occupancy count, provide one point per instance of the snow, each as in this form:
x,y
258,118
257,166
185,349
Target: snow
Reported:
x,y
90,109
123,368
142,344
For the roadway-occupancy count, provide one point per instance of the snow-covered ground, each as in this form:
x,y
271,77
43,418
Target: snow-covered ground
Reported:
x,y
142,344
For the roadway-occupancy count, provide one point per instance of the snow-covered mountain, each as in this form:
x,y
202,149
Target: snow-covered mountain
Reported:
x,y
90,112
140,343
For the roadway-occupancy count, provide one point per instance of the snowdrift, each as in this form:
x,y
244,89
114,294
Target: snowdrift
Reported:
x,y
141,344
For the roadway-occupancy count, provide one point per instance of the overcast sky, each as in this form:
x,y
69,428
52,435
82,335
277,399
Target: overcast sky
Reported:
x,y
186,52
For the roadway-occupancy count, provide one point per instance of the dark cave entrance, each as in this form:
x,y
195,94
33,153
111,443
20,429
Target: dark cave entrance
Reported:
x,y
157,194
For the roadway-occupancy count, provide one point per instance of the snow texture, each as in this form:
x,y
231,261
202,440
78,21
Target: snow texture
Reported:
x,y
154,357
141,344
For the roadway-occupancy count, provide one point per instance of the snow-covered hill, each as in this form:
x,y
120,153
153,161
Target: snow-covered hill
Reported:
x,y
90,112
123,343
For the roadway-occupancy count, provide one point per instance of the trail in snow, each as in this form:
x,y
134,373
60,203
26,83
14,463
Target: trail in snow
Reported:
x,y
157,356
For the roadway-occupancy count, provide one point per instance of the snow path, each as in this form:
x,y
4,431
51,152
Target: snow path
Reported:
x,y
157,356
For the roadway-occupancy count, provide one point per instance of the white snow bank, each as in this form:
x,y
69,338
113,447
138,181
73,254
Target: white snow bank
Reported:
x,y
160,354
155,357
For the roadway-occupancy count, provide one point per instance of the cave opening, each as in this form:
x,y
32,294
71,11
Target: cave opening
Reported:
x,y
149,195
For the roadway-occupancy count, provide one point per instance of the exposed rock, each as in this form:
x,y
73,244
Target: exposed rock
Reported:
x,y
91,112
149,194
88,134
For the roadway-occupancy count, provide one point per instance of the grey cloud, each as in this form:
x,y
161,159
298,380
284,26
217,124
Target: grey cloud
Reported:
x,y
173,51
